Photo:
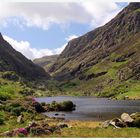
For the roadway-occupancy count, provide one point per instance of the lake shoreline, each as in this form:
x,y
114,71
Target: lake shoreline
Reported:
x,y
91,108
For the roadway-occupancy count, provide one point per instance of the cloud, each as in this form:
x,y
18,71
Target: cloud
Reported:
x,y
31,53
101,11
44,15
59,50
71,37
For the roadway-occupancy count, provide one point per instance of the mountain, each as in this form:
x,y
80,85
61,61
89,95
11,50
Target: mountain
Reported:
x,y
12,60
105,61
46,62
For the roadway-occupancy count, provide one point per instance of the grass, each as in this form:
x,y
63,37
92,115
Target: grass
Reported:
x,y
100,133
90,129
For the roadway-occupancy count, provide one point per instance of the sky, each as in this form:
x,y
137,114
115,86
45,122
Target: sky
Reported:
x,y
41,29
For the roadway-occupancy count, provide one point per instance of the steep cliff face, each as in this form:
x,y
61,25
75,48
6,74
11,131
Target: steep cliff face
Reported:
x,y
105,59
91,48
11,60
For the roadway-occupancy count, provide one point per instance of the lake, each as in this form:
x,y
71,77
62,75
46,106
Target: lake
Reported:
x,y
92,108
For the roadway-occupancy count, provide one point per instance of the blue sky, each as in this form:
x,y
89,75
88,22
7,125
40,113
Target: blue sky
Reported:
x,y
39,29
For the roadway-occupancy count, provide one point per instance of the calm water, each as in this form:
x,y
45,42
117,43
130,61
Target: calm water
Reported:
x,y
91,108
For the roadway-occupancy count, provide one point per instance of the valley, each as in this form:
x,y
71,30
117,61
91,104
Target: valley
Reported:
x,y
95,78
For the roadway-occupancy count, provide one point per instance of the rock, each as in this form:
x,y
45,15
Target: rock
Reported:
x,y
133,114
56,114
20,119
126,118
105,124
63,115
136,117
119,122
113,124
62,125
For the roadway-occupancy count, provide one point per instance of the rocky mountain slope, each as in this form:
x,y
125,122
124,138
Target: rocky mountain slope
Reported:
x,y
105,61
11,60
46,62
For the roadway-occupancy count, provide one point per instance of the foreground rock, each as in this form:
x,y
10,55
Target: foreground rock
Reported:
x,y
126,120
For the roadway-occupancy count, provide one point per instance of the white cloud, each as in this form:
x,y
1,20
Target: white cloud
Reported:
x,y
43,15
71,37
31,53
101,11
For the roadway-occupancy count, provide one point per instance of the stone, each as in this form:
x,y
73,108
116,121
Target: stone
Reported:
x,y
105,124
126,118
20,119
119,122
113,124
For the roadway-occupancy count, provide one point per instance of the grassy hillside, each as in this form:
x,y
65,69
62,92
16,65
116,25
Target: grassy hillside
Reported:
x,y
104,62
46,62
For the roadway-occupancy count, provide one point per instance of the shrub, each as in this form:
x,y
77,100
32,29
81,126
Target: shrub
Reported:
x,y
1,119
62,106
15,108
10,75
43,103
27,91
4,96
67,106
38,107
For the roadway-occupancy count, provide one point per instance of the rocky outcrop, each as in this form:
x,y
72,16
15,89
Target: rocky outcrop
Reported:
x,y
91,48
126,120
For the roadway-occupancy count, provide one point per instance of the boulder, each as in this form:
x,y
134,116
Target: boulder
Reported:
x,y
119,122
113,124
20,119
136,117
105,124
126,118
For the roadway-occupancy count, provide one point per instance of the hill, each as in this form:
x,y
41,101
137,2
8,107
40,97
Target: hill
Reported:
x,y
12,60
105,61
46,62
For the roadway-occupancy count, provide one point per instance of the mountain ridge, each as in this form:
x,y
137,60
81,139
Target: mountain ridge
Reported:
x,y
104,61
12,60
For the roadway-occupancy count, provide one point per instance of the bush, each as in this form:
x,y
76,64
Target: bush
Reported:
x,y
15,108
10,75
43,103
38,107
27,91
4,96
67,106
1,119
62,106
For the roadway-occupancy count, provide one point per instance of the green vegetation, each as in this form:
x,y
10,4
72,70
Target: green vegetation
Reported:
x,y
99,133
59,106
